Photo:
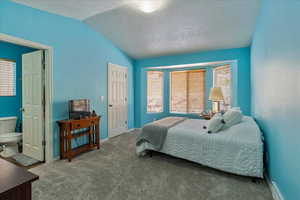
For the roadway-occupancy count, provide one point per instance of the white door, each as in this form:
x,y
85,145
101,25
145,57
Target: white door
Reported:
x,y
117,100
32,88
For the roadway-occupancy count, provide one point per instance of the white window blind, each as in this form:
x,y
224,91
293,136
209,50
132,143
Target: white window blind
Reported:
x,y
154,91
7,77
222,79
187,91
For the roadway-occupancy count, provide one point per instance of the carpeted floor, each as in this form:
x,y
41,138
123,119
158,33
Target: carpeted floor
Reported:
x,y
115,172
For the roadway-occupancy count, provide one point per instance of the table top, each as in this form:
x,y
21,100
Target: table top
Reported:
x,y
78,120
12,176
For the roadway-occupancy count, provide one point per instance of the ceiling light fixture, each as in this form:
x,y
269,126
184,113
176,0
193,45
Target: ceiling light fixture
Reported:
x,y
149,6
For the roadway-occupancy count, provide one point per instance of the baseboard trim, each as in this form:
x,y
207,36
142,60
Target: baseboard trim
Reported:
x,y
104,140
56,158
274,189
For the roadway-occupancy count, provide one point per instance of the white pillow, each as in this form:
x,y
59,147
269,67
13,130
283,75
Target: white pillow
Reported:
x,y
232,117
235,108
215,124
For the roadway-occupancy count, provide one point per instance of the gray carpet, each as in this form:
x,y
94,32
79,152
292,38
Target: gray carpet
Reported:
x,y
115,172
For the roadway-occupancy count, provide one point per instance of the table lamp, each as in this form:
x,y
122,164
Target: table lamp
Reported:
x,y
216,96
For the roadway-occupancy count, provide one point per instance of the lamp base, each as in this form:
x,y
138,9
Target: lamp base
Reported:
x,y
216,107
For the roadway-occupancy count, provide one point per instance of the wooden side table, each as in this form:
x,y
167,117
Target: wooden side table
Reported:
x,y
71,129
207,116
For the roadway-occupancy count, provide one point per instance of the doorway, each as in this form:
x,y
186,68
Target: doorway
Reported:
x,y
117,99
37,99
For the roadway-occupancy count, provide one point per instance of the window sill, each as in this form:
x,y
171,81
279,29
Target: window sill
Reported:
x,y
180,113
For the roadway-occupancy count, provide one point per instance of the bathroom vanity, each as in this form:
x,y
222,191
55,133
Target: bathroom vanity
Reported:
x,y
15,182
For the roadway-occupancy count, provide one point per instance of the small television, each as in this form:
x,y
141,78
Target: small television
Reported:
x,y
79,108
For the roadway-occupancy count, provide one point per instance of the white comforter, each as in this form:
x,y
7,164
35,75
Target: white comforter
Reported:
x,y
237,150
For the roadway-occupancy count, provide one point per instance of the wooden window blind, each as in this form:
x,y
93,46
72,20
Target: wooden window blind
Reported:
x,y
7,77
154,91
222,79
187,91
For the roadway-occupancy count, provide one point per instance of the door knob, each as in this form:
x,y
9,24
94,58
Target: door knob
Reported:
x,y
110,105
22,110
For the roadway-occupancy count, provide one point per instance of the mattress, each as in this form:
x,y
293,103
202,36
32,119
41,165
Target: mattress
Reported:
x,y
238,150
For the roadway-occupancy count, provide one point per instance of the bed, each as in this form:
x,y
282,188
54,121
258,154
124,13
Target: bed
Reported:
x,y
238,149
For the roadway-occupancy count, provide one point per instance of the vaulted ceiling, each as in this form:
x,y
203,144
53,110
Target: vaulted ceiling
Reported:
x,y
176,26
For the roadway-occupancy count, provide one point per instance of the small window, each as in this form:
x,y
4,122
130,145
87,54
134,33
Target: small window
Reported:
x,y
154,91
187,91
7,77
222,79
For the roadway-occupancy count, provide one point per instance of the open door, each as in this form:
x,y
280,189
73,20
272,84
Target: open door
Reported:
x,y
33,109
117,100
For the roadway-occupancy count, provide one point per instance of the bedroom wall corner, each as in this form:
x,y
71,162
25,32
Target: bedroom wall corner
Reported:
x,y
275,87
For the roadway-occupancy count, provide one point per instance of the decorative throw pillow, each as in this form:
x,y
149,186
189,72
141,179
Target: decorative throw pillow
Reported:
x,y
232,117
215,124
235,108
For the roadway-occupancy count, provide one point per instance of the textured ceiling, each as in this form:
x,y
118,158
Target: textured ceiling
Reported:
x,y
179,26
78,9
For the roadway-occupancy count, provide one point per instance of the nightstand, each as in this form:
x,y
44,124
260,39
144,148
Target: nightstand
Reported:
x,y
207,116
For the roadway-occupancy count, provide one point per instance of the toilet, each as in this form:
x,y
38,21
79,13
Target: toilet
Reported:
x,y
8,137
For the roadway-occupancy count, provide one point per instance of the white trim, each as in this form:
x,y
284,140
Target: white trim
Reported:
x,y
57,158
7,118
48,89
23,42
193,65
104,140
274,189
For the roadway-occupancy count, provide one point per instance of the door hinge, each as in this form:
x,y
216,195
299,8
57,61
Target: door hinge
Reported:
x,y
44,143
125,122
44,60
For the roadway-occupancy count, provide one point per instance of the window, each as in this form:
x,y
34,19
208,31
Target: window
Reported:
x,y
187,91
155,91
222,79
7,77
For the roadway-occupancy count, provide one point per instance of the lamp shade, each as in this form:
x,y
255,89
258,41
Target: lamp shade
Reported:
x,y
216,94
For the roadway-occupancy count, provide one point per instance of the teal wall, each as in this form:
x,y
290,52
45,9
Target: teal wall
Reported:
x,y
275,73
81,56
10,105
241,73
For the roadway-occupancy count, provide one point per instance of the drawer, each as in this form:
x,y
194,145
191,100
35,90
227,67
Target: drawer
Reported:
x,y
81,124
95,121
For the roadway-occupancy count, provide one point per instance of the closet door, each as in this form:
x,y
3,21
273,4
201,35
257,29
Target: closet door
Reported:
x,y
117,99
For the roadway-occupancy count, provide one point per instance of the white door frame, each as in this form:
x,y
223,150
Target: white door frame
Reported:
x,y
108,89
48,88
